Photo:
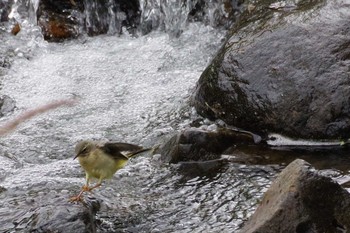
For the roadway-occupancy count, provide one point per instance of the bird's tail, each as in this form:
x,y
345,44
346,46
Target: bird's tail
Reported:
x,y
152,149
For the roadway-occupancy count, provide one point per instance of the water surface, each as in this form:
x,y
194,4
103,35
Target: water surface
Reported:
x,y
130,89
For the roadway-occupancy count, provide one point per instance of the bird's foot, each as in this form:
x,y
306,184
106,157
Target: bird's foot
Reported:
x,y
78,198
86,188
89,189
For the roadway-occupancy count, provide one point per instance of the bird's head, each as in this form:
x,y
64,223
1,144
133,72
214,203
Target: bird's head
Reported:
x,y
83,148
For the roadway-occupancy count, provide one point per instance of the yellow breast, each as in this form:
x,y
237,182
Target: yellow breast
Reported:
x,y
101,166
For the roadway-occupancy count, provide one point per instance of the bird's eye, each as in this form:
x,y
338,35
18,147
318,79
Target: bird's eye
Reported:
x,y
84,150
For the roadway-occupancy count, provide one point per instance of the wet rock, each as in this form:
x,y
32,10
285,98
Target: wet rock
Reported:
x,y
55,215
301,200
105,16
16,29
66,218
200,145
60,21
6,53
56,27
2,189
5,8
62,6
284,69
7,105
131,9
5,61
69,18
223,12
110,16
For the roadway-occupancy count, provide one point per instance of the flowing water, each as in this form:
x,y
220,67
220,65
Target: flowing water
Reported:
x,y
131,89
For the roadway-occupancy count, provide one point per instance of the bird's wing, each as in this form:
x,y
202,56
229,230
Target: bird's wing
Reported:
x,y
120,150
131,154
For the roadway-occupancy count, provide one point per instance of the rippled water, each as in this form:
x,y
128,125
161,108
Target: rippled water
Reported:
x,y
129,89
134,90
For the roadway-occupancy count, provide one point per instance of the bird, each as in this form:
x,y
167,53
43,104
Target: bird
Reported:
x,y
102,160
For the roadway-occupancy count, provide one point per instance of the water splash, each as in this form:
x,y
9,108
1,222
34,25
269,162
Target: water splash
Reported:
x,y
277,140
176,15
173,16
25,11
33,8
98,16
111,16
169,15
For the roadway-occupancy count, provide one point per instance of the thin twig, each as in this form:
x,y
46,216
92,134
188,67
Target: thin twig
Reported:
x,y
12,124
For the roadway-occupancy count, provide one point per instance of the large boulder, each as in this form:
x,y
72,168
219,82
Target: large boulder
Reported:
x,y
283,69
301,200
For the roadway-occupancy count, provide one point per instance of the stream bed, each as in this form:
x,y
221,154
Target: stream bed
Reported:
x,y
136,90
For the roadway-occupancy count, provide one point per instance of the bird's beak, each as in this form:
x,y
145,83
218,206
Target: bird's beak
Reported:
x,y
76,156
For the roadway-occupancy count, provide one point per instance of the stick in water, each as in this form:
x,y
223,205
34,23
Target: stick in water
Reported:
x,y
12,124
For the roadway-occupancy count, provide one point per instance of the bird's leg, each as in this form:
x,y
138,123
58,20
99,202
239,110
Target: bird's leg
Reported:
x,y
85,188
95,186
78,197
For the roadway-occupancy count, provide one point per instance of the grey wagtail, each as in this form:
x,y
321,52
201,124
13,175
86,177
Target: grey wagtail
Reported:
x,y
102,160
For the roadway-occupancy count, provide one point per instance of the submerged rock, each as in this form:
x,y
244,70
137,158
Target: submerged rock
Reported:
x,y
201,145
5,8
7,105
66,217
302,200
201,168
284,69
